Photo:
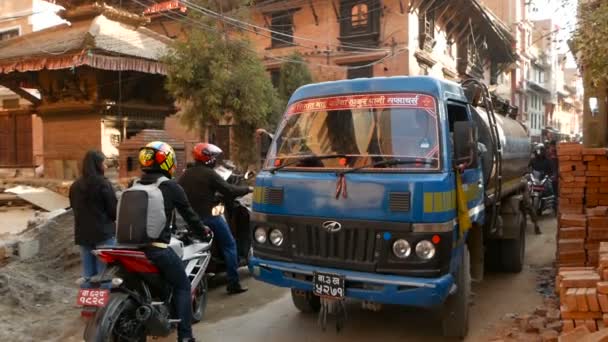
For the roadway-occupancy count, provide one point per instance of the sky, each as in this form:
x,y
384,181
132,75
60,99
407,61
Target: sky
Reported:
x,y
563,13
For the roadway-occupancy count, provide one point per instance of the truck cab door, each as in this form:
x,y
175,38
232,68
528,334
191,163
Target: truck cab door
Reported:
x,y
459,118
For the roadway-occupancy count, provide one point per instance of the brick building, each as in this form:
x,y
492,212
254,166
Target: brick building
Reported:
x,y
20,129
365,38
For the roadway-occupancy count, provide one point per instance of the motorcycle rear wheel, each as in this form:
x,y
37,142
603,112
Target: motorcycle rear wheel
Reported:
x,y
116,322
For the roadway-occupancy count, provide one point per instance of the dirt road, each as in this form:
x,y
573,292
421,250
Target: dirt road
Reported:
x,y
266,314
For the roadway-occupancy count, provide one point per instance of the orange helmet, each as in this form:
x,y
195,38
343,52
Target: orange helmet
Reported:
x,y
206,153
158,156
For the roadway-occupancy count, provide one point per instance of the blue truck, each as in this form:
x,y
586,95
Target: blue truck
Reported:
x,y
392,190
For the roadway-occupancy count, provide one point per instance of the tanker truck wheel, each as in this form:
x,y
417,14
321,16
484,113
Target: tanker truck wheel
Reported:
x,y
455,311
513,250
305,301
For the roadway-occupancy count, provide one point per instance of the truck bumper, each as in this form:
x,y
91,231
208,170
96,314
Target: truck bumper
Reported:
x,y
378,288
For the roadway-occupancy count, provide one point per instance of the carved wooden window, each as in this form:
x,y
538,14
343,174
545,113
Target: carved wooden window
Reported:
x,y
426,27
360,22
359,14
281,24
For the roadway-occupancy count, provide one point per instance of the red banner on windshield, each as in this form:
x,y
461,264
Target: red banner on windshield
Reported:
x,y
403,100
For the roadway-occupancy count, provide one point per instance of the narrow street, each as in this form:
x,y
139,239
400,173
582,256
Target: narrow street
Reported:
x,y
266,313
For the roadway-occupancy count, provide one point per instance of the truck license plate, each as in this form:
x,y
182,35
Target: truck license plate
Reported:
x,y
328,285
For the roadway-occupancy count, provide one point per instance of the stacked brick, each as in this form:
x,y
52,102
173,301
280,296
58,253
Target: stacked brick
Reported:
x,y
572,178
583,293
583,204
571,239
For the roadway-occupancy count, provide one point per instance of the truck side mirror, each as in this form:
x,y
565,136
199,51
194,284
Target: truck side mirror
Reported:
x,y
465,144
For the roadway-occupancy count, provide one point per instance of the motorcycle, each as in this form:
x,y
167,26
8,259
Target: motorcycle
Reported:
x,y
542,195
236,211
130,300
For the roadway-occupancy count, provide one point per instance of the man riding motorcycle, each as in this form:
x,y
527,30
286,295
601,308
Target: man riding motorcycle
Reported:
x,y
157,159
201,183
540,162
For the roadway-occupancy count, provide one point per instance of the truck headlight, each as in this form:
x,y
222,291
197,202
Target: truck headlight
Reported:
x,y
260,235
425,250
276,237
402,249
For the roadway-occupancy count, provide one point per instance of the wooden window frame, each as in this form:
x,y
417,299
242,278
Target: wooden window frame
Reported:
x,y
426,30
360,35
281,22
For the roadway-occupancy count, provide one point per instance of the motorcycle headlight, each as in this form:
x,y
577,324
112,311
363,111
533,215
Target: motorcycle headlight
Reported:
x,y
401,249
260,235
425,250
276,237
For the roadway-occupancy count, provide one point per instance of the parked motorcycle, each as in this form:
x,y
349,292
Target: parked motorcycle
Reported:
x,y
541,192
130,300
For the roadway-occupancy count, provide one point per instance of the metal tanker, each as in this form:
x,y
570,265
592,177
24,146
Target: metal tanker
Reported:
x,y
515,151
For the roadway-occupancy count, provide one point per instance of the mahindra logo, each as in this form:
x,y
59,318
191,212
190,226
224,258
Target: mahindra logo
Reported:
x,y
331,226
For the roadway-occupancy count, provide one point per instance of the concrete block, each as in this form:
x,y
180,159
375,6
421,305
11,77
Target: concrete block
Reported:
x,y
28,248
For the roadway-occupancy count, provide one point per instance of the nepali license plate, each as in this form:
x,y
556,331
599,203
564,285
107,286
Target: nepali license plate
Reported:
x,y
93,297
328,285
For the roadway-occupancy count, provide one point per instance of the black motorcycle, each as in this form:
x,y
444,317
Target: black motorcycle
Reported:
x,y
541,192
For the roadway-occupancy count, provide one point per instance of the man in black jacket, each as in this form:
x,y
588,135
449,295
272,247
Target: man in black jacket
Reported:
x,y
157,160
201,183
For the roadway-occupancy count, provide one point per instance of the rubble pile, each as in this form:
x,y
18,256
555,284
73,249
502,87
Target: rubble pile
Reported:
x,y
41,290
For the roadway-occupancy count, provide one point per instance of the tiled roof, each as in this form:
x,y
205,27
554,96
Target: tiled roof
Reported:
x,y
96,42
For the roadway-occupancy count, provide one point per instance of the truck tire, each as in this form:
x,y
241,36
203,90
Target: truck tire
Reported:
x,y
305,301
455,311
512,251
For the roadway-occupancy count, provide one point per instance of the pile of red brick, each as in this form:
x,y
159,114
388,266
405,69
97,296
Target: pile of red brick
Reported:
x,y
583,197
583,293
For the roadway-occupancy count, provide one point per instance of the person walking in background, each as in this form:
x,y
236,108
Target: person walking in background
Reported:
x,y
93,202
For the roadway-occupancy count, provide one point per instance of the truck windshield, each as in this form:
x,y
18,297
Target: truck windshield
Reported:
x,y
358,130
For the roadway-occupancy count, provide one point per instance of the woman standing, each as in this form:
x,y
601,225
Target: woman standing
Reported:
x,y
93,201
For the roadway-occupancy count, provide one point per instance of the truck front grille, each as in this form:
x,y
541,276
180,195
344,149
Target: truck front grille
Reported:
x,y
352,247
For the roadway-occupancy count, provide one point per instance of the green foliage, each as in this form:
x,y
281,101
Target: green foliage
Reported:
x,y
590,40
293,75
215,78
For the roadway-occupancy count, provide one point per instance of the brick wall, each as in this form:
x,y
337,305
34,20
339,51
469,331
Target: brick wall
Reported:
x,y
66,140
393,27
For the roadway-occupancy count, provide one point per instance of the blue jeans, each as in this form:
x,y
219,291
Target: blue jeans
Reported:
x,y
91,265
173,272
223,236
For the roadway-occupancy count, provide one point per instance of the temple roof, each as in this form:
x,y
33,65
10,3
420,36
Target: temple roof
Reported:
x,y
99,42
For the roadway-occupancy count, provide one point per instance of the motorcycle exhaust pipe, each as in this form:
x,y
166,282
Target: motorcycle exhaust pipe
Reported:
x,y
143,313
156,323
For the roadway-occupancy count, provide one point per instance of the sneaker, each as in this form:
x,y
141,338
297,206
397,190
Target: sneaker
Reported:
x,y
236,289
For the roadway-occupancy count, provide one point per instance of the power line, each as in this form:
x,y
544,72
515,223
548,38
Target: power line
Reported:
x,y
283,59
238,23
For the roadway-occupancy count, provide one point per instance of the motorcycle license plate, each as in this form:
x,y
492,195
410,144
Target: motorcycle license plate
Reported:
x,y
538,188
328,285
93,297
